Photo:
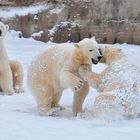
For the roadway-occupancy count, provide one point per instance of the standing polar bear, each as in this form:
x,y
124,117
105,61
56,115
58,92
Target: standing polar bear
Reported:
x,y
57,69
11,72
118,84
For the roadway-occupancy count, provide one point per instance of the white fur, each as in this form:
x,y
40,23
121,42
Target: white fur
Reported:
x,y
11,72
6,79
56,69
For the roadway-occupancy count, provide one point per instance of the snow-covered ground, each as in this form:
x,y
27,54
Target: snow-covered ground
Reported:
x,y
19,119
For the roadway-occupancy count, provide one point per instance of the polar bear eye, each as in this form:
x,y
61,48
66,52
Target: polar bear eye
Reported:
x,y
90,50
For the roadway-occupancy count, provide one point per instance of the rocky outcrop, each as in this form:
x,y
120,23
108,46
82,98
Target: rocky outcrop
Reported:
x,y
111,21
65,31
18,2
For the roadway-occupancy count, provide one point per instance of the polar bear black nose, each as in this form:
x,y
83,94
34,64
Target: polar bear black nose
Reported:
x,y
0,32
99,57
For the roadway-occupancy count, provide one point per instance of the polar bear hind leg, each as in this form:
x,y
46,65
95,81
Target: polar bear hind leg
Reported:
x,y
48,100
17,73
56,99
7,83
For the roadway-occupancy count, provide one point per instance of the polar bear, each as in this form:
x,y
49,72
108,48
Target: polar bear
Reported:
x,y
11,72
118,84
17,75
57,69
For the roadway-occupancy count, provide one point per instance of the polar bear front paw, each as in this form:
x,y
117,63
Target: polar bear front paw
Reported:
x,y
18,89
9,92
53,112
79,85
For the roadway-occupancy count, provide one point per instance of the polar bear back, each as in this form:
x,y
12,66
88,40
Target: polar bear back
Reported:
x,y
49,63
54,57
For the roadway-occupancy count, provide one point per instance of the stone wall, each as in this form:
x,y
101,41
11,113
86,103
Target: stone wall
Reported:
x,y
18,2
111,21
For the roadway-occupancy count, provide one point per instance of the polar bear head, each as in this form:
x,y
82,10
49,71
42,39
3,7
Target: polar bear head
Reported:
x,y
89,49
110,54
3,30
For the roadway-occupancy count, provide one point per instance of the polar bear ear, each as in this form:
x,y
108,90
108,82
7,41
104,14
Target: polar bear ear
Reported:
x,y
76,45
7,27
93,38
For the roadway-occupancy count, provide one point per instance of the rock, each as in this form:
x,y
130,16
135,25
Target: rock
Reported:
x,y
65,31
110,21
18,2
61,35
41,36
123,37
136,34
75,34
84,33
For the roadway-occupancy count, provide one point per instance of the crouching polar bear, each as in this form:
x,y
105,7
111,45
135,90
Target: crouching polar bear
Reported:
x,y
118,84
11,72
56,69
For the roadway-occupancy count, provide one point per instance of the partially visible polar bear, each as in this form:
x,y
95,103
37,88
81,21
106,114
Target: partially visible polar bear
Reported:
x,y
118,84
17,75
11,72
57,69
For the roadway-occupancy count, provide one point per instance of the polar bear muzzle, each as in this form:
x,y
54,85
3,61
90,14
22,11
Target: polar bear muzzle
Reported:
x,y
94,61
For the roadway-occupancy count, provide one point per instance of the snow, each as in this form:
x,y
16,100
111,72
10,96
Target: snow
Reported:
x,y
56,10
19,118
37,34
11,12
